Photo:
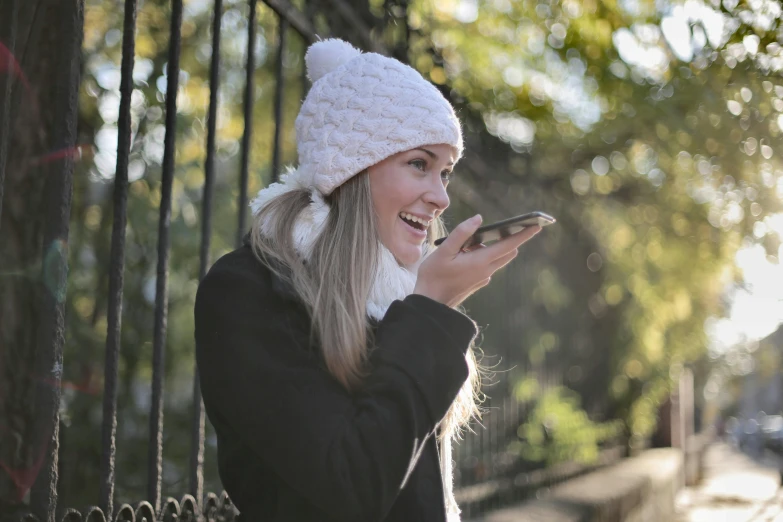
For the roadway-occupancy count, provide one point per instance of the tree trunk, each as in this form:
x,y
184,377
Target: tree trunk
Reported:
x,y
39,83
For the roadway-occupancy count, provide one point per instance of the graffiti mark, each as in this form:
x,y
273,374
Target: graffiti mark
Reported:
x,y
82,151
23,478
9,65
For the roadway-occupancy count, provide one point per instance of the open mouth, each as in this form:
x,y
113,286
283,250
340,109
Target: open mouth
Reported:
x,y
413,222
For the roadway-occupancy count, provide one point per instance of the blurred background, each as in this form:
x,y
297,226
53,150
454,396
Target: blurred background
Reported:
x,y
650,130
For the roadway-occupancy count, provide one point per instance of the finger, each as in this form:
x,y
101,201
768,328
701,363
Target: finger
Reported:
x,y
474,247
502,261
460,235
473,289
506,245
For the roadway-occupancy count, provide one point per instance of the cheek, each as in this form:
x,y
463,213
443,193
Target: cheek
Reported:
x,y
407,190
392,191
385,206
389,199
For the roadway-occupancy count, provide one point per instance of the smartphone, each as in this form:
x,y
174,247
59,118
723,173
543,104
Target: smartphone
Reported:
x,y
505,228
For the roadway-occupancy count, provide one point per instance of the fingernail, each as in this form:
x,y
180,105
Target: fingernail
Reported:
x,y
477,218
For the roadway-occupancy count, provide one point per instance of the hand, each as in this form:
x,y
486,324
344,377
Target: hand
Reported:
x,y
450,275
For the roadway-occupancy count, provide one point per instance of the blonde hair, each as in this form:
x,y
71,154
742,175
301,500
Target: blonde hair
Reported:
x,y
335,282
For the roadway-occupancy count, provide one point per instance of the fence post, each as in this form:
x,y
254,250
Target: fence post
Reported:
x,y
155,453
198,420
247,135
117,263
279,83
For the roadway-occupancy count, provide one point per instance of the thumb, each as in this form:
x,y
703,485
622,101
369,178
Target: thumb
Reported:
x,y
461,234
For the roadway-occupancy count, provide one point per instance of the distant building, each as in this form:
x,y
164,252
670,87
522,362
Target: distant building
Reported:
x,y
762,389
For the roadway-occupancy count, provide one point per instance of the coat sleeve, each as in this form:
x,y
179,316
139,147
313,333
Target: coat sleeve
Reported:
x,y
348,454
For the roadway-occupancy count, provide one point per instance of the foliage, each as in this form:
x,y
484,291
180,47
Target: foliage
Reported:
x,y
558,429
649,129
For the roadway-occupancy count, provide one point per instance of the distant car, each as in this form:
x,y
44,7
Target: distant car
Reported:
x,y
751,439
732,430
772,432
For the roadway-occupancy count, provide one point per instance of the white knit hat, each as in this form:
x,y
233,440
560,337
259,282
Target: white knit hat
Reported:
x,y
363,108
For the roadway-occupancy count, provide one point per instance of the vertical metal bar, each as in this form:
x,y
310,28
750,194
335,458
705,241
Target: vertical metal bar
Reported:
x,y
117,263
248,134
282,31
309,12
54,272
197,434
493,445
155,452
304,79
396,18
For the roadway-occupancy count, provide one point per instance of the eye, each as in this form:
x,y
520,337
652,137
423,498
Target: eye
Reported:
x,y
419,164
447,174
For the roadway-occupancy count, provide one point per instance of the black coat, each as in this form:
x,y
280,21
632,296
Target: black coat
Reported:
x,y
293,445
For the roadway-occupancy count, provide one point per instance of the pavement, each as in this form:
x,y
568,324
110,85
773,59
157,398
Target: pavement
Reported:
x,y
735,488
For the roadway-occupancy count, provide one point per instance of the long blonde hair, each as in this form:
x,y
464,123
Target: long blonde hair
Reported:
x,y
335,282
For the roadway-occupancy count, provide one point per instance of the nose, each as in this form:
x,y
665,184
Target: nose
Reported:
x,y
437,195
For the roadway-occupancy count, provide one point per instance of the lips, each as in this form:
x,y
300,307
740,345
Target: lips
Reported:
x,y
419,234
415,221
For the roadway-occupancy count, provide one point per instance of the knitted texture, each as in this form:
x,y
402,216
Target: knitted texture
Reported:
x,y
365,109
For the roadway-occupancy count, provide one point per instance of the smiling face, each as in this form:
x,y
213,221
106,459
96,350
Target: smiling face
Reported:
x,y
408,192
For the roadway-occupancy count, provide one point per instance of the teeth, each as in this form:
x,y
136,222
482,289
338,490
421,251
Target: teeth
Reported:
x,y
411,217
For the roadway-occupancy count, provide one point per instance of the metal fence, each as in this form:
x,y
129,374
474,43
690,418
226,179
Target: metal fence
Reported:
x,y
487,476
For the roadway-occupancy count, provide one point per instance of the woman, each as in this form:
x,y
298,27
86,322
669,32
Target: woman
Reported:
x,y
333,363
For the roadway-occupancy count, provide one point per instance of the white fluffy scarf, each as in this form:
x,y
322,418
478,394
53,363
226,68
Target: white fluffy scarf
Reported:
x,y
392,282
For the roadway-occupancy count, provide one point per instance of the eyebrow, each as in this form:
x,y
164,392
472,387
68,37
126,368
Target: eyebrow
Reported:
x,y
433,155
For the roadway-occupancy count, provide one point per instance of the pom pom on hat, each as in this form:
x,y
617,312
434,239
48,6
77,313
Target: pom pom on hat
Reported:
x,y
327,55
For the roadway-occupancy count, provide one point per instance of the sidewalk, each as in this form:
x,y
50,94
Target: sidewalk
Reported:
x,y
735,488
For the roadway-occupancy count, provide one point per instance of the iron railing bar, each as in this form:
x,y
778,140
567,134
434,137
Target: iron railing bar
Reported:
x,y
384,21
280,76
309,12
155,451
349,13
117,264
7,83
295,17
400,49
197,433
250,70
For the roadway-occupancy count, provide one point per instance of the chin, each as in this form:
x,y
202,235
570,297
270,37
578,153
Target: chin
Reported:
x,y
408,254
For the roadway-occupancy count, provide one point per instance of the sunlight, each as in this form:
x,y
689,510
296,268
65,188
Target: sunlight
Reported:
x,y
756,309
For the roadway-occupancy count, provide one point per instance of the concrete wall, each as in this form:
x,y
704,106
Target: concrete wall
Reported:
x,y
638,489
694,455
